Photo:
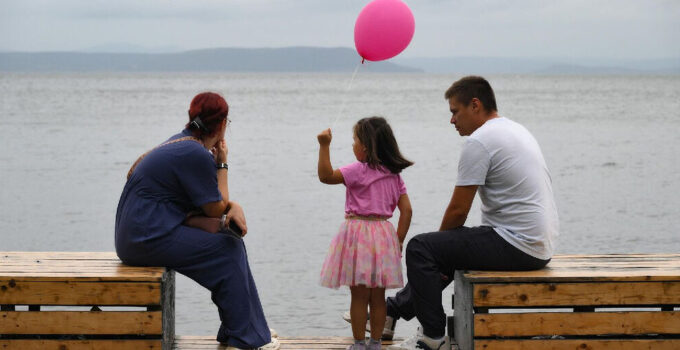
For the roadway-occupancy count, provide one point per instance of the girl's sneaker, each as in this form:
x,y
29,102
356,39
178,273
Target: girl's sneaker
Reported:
x,y
388,331
373,346
357,346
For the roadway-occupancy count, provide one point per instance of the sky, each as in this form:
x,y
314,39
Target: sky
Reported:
x,y
622,29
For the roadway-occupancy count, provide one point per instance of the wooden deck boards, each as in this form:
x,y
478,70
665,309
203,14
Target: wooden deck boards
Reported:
x,y
287,343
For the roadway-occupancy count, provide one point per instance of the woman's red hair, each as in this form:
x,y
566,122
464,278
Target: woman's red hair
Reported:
x,y
211,108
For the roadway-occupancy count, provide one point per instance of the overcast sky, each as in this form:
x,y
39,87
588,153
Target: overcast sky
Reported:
x,y
628,29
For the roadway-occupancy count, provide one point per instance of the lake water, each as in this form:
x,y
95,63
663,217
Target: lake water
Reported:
x,y
67,141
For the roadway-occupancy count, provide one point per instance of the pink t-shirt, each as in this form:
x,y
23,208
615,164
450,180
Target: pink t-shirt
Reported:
x,y
371,192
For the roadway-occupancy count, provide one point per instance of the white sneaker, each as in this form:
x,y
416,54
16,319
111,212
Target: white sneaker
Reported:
x,y
273,333
416,342
409,343
388,331
273,345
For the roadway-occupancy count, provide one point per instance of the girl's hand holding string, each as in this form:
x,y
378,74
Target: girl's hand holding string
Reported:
x,y
325,137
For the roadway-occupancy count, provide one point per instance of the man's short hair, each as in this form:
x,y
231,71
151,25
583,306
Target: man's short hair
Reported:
x,y
467,88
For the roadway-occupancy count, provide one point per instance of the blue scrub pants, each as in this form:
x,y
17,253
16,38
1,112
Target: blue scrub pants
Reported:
x,y
218,262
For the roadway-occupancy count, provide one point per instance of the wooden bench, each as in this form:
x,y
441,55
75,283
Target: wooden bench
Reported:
x,y
576,302
77,301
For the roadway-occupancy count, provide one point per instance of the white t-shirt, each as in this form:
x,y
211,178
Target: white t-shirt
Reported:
x,y
505,161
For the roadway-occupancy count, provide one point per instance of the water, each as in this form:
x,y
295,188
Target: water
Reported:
x,y
67,141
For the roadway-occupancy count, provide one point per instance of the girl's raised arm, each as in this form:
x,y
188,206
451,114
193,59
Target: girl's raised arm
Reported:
x,y
325,170
405,213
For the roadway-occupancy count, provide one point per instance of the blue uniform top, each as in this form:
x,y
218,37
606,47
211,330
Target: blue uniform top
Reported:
x,y
168,183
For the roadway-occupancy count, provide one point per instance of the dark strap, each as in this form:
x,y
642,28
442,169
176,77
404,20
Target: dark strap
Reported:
x,y
134,165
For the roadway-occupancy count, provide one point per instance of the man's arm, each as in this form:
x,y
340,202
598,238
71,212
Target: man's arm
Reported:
x,y
457,211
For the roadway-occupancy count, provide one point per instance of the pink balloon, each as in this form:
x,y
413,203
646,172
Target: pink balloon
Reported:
x,y
383,29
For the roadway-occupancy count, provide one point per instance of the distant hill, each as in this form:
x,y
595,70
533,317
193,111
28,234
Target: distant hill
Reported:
x,y
505,65
291,59
316,59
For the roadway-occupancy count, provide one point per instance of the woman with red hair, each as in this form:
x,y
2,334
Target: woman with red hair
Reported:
x,y
155,227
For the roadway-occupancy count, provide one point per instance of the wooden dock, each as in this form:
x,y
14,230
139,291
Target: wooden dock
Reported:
x,y
287,343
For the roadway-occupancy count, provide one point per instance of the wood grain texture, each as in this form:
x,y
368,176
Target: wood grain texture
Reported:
x,y
79,293
287,343
81,322
579,344
568,294
40,344
576,323
582,268
72,266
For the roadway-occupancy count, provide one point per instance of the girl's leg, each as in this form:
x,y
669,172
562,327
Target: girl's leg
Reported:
x,y
359,310
378,312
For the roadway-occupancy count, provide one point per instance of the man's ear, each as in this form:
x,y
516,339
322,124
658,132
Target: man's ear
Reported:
x,y
476,104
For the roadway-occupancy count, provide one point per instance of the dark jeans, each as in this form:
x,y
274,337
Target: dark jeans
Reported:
x,y
431,255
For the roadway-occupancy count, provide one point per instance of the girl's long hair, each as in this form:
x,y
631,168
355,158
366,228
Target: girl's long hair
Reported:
x,y
381,146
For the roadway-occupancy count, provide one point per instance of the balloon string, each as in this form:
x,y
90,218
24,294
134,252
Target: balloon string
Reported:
x,y
344,100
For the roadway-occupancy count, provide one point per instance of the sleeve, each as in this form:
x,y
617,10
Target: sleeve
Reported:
x,y
198,176
402,185
350,173
473,164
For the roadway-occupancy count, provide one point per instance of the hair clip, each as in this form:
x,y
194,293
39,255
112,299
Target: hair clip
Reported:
x,y
197,123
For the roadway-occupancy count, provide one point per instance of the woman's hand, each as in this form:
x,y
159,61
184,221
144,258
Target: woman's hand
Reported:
x,y
325,137
235,214
220,151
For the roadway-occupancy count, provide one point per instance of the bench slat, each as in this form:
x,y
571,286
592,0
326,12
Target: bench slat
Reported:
x,y
81,322
79,293
571,344
78,276
576,323
43,344
59,255
563,268
569,294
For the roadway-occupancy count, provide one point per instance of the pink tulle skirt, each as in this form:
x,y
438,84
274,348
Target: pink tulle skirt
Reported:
x,y
364,252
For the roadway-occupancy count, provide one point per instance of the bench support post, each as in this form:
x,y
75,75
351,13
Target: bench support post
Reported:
x,y
463,321
168,303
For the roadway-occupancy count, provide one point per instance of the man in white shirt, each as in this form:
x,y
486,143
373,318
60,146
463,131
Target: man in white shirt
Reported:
x,y
502,162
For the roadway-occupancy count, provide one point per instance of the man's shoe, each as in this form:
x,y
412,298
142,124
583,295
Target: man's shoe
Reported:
x,y
444,345
417,342
388,331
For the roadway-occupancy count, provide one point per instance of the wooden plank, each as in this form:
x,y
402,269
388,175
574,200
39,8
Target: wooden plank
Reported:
x,y
43,344
108,255
580,344
615,267
576,323
83,266
79,293
569,294
81,322
110,276
287,343
463,321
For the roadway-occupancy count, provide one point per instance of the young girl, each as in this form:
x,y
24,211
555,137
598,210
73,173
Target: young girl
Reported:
x,y
366,253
